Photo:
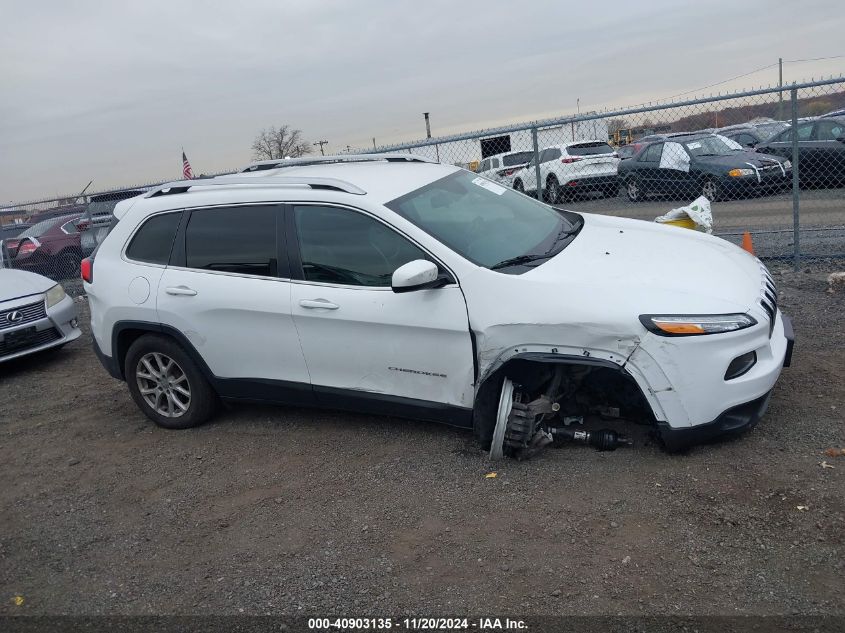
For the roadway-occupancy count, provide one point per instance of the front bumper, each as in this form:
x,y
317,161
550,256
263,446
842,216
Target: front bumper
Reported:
x,y
58,325
683,379
735,421
731,422
749,185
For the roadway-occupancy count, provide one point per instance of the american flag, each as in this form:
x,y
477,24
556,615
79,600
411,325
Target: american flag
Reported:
x,y
187,174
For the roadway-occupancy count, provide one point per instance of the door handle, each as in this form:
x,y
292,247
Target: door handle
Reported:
x,y
318,303
181,290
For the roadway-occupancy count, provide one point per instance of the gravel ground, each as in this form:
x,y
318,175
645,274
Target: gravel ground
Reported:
x,y
293,511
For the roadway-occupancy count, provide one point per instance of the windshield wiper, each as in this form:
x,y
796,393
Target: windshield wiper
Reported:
x,y
520,259
533,257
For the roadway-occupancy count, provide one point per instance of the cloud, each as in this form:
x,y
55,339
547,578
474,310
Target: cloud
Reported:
x,y
111,91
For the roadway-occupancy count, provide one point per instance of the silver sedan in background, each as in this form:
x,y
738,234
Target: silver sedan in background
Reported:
x,y
35,314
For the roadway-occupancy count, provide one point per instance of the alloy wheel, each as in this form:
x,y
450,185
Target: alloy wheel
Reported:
x,y
163,385
710,190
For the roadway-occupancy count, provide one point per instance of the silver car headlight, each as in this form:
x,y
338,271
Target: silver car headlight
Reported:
x,y
54,295
695,324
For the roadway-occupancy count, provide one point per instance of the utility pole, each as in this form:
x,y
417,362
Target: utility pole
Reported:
x,y
321,143
780,85
374,143
578,110
428,134
348,149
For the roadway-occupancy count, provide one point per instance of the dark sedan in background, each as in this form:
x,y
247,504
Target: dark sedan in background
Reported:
x,y
702,164
50,248
821,150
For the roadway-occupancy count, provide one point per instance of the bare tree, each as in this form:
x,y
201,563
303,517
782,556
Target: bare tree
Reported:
x,y
279,142
614,125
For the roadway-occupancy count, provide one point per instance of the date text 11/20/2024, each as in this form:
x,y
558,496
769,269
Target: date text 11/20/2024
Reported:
x,y
416,624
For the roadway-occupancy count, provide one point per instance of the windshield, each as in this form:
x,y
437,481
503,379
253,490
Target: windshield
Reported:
x,y
486,223
712,146
37,230
768,130
508,160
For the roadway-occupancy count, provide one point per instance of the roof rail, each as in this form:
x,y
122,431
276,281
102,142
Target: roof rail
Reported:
x,y
182,186
330,160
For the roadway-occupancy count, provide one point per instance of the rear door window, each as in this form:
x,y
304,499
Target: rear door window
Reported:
x,y
652,153
829,130
550,154
70,227
239,240
154,240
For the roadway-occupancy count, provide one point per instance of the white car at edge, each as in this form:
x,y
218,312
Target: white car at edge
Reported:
x,y
395,285
35,314
503,167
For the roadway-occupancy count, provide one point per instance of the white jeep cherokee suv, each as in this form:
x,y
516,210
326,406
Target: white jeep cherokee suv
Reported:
x,y
390,284
571,169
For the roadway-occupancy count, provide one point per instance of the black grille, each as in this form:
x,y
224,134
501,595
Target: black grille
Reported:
x,y
42,338
30,312
769,302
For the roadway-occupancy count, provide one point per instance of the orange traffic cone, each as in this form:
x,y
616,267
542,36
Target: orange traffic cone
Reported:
x,y
747,244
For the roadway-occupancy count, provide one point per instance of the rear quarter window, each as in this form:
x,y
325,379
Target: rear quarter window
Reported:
x,y
152,243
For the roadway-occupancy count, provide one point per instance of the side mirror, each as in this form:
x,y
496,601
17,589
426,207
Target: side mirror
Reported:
x,y
416,275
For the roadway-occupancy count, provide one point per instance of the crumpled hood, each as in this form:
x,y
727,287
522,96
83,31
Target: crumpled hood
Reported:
x,y
660,268
20,283
613,271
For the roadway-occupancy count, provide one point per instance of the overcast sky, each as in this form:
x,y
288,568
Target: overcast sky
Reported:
x,y
110,91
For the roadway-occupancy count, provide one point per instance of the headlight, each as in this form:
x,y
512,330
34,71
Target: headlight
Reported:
x,y
54,295
737,173
696,324
787,164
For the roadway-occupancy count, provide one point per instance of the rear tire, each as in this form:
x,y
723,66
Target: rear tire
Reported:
x,y
166,384
711,189
552,194
518,186
634,191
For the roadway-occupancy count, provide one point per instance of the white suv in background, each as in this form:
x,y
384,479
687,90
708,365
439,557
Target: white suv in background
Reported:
x,y
390,284
571,169
502,167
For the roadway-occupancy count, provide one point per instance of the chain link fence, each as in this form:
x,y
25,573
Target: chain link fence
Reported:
x,y
770,162
738,151
50,237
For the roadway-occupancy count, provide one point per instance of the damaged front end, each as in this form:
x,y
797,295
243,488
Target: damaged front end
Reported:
x,y
542,404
